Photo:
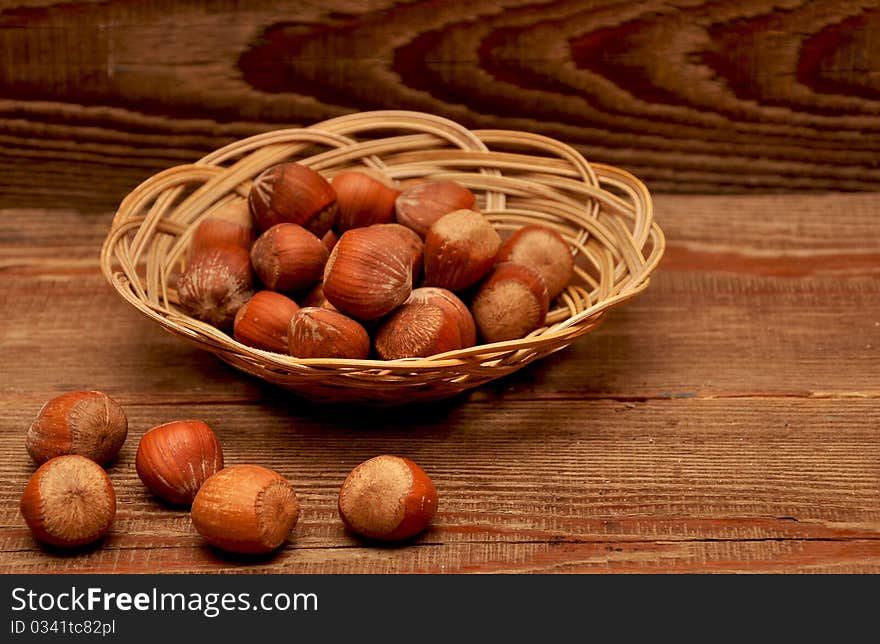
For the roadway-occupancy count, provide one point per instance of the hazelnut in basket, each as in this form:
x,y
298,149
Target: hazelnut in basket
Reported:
x,y
460,249
215,283
262,322
369,273
419,206
363,198
292,193
288,258
544,250
511,303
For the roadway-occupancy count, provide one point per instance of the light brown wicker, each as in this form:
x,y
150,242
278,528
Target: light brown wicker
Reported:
x,y
519,178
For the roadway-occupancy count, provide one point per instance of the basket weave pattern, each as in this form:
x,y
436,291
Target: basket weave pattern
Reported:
x,y
604,213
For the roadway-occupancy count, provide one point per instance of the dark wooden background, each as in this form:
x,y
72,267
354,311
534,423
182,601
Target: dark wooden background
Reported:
x,y
726,421
692,96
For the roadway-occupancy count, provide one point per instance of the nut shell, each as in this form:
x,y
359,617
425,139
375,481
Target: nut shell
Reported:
x,y
174,460
510,303
362,200
317,332
419,206
288,258
460,249
369,272
263,321
413,242
216,283
246,509
417,330
389,498
292,193
544,250
453,306
229,224
69,501
329,240
88,423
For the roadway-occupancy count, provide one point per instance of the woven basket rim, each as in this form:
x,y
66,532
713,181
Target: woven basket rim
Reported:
x,y
596,203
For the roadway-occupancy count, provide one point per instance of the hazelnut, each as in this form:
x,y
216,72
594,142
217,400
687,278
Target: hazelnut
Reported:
x,y
229,224
419,206
544,250
417,330
287,257
216,283
389,498
292,193
246,509
263,320
412,241
363,198
69,501
510,303
174,459
88,423
369,272
454,308
460,249
323,333
329,240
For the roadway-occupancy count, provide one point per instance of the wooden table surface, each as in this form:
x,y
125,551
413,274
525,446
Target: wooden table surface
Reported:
x,y
726,420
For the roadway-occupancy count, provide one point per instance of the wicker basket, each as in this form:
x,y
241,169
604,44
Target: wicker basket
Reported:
x,y
604,213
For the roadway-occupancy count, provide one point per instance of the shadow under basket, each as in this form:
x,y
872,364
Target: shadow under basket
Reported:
x,y
604,213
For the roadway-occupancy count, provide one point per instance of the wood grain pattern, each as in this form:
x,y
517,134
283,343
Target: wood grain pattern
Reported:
x,y
706,97
601,483
727,420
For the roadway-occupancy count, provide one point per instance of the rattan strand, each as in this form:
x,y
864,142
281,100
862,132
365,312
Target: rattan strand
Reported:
x,y
604,213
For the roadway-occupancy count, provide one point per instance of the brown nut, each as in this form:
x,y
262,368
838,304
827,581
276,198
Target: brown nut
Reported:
x,y
454,307
363,198
324,333
229,224
417,330
544,250
88,423
511,303
216,283
246,509
263,320
419,206
412,241
292,193
389,498
288,258
460,249
369,272
329,240
69,501
174,460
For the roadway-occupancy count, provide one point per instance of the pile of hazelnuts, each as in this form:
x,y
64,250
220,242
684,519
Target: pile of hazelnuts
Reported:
x,y
357,268
70,500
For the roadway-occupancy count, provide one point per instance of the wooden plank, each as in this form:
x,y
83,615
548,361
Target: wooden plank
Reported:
x,y
742,485
694,97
